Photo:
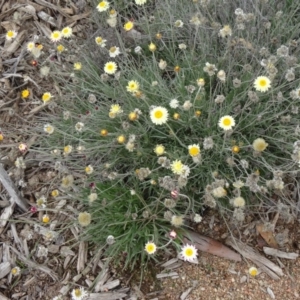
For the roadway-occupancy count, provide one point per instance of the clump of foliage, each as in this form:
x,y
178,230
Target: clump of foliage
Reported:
x,y
194,103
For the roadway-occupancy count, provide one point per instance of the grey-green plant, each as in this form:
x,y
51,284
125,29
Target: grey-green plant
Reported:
x,y
205,63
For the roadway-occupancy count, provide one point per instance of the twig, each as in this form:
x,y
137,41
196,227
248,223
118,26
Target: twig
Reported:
x,y
9,186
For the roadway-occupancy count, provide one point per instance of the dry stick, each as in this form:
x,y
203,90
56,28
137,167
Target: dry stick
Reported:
x,y
9,186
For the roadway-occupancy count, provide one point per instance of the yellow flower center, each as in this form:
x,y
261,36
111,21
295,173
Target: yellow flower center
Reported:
x,y
189,252
56,35
226,122
112,49
102,4
14,271
10,34
263,82
158,114
77,292
110,67
194,151
99,40
150,248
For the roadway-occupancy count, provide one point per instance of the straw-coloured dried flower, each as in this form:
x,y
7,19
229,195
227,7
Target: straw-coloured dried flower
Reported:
x,y
84,219
238,202
177,221
259,145
48,128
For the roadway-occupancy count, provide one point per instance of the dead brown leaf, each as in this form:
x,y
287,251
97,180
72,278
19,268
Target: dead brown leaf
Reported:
x,y
267,235
210,245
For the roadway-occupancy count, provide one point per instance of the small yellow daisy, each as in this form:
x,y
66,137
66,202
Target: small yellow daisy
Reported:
x,y
60,48
159,115
159,150
103,6
25,94
128,25
77,66
68,149
226,122
11,34
116,109
30,46
46,97
260,145
194,150
189,253
110,67
150,248
66,32
262,83
100,41
253,271
15,271
55,36
48,128
152,47
177,167
89,169
132,86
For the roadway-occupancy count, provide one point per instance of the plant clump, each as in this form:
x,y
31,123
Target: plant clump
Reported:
x,y
199,111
